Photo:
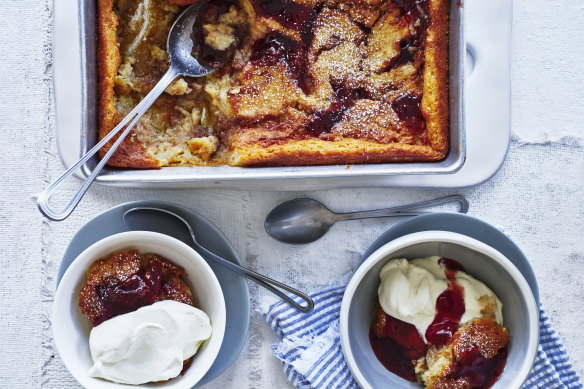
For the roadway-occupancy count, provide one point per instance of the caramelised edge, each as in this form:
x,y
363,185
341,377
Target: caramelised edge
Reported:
x,y
130,153
321,152
435,98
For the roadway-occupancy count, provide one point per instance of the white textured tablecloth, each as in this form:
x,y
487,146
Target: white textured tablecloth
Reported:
x,y
537,197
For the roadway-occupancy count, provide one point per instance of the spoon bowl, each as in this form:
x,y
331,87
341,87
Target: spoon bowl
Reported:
x,y
179,44
299,221
306,220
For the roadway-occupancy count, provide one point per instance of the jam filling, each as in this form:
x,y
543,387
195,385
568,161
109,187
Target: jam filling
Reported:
x,y
324,120
277,48
211,56
407,5
449,306
407,108
414,13
289,14
398,344
478,371
407,51
412,10
139,290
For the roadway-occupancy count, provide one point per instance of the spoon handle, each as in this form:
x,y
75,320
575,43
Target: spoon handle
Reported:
x,y
406,210
264,281
132,118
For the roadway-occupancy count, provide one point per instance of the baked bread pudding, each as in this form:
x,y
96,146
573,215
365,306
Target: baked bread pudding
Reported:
x,y
126,281
145,325
437,325
297,82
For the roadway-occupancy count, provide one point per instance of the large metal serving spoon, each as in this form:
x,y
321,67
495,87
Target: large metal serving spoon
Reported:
x,y
179,47
169,222
306,220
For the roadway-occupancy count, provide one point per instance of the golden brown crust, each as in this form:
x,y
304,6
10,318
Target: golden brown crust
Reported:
x,y
120,268
322,152
459,383
369,136
130,153
435,105
485,334
443,364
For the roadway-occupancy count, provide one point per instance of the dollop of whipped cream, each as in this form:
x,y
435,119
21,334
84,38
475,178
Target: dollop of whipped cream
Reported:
x,y
149,344
409,289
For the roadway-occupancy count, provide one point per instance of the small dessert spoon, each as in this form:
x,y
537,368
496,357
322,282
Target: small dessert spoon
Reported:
x,y
179,47
170,223
306,220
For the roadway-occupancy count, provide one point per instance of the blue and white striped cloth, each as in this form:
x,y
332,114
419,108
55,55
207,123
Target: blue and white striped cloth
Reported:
x,y
310,349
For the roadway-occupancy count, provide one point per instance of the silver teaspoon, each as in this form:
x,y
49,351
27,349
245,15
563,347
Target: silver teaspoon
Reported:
x,y
182,63
306,220
170,223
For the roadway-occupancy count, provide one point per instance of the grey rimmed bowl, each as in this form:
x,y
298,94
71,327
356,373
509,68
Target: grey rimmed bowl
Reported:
x,y
520,311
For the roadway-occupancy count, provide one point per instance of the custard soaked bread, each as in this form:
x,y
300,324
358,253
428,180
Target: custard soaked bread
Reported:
x,y
298,82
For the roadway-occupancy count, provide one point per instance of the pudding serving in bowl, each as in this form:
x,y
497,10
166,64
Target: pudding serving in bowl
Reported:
x,y
488,339
138,307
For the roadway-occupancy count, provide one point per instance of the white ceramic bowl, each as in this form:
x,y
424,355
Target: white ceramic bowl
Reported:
x,y
520,311
71,328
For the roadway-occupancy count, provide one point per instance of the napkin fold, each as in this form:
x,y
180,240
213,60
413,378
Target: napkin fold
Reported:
x,y
311,354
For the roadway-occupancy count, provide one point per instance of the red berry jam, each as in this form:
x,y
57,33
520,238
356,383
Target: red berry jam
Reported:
x,y
139,290
449,306
478,371
324,120
407,50
277,48
129,280
450,266
415,15
396,344
289,14
406,5
407,108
